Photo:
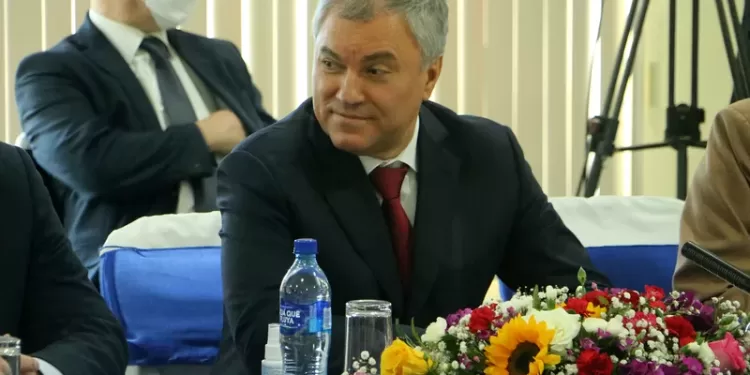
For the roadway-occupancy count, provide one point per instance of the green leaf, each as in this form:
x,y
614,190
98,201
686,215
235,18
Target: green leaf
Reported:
x,y
581,276
415,333
603,301
398,329
550,304
535,298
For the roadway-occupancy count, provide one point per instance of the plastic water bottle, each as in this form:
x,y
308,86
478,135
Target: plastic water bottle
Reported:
x,y
305,313
271,364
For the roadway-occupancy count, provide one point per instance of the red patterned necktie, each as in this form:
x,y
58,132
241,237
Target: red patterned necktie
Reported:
x,y
388,183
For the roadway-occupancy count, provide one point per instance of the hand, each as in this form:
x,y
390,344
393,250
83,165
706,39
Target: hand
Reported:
x,y
222,130
29,366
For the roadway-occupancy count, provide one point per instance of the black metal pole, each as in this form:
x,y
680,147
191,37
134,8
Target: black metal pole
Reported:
x,y
694,56
743,54
738,76
607,105
682,166
606,146
671,51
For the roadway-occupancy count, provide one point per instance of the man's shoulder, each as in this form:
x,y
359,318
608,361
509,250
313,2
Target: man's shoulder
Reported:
x,y
60,55
284,139
11,157
14,165
221,46
474,131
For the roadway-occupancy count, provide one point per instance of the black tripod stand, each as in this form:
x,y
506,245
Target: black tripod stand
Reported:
x,y
683,120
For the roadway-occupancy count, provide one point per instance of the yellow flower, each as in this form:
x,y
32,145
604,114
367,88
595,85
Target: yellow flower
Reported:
x,y
520,347
595,311
401,359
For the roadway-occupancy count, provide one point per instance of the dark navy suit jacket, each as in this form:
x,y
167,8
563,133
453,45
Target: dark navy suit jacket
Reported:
x,y
47,299
480,213
94,131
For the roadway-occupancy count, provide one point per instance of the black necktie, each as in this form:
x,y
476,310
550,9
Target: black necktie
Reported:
x,y
179,111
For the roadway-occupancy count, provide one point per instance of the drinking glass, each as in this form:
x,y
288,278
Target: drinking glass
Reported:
x,y
10,352
369,331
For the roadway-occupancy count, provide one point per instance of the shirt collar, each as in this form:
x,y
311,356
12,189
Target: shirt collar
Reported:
x,y
125,38
408,156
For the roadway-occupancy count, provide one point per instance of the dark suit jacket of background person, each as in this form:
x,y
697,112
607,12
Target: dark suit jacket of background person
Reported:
x,y
480,212
93,129
47,300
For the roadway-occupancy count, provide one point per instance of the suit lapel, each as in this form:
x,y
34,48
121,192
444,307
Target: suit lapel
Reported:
x,y
437,187
351,196
98,49
210,71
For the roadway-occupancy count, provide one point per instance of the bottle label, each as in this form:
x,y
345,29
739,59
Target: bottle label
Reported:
x,y
304,319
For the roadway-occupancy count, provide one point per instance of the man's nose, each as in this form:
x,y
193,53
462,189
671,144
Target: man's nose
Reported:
x,y
350,90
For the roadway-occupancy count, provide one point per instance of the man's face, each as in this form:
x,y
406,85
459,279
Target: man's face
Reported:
x,y
368,83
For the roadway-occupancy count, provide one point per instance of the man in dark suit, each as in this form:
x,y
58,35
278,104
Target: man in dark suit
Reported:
x,y
47,301
129,115
410,202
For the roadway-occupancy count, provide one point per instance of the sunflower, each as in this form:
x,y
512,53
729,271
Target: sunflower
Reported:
x,y
520,347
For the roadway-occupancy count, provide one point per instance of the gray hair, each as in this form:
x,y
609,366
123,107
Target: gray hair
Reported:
x,y
427,19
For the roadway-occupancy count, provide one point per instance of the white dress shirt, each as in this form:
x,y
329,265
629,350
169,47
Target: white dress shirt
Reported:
x,y
407,157
127,40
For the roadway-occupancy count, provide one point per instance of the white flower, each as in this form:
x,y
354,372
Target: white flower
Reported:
x,y
435,331
566,327
518,303
614,326
550,292
703,351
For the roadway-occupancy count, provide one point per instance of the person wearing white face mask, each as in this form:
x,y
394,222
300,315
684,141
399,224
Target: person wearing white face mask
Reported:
x,y
129,116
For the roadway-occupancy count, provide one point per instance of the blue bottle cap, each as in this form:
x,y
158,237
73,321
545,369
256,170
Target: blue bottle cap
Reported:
x,y
305,246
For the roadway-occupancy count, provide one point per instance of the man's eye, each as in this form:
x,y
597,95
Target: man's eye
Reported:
x,y
376,72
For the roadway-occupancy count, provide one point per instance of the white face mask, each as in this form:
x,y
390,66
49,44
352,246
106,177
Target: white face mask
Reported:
x,y
170,13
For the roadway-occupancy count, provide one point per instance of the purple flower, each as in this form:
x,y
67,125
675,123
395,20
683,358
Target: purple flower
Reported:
x,y
453,319
673,370
692,366
466,361
484,335
603,334
704,320
645,368
587,343
627,345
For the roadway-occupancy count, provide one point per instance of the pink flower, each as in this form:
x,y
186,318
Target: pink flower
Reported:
x,y
727,351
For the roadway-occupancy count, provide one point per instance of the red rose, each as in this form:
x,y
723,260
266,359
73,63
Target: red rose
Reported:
x,y
577,305
597,297
591,362
657,305
631,298
681,328
481,318
654,293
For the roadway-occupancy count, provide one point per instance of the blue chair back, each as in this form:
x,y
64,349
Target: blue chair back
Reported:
x,y
632,240
161,277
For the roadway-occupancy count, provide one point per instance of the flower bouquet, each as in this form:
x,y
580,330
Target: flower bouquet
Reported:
x,y
587,331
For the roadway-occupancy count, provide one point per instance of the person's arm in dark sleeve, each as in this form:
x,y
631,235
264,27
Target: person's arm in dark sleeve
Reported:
x,y
542,250
81,148
257,241
252,91
63,314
